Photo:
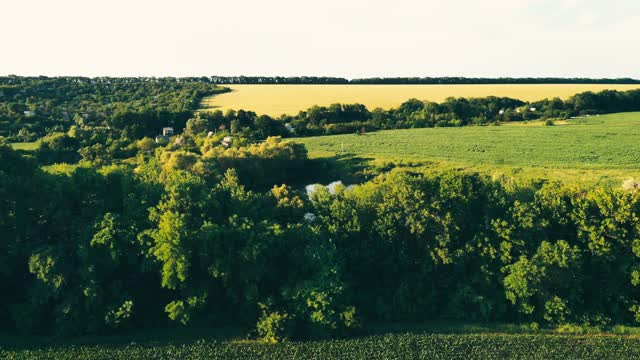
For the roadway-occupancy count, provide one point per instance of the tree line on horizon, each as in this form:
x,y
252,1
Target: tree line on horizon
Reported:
x,y
229,80
414,80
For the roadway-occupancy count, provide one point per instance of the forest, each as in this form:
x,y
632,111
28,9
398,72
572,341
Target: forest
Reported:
x,y
180,239
33,107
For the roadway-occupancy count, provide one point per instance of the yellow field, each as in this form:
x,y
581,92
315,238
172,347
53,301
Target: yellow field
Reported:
x,y
275,100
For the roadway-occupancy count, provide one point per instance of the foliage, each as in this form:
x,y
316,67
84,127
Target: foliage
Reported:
x,y
273,327
92,250
31,107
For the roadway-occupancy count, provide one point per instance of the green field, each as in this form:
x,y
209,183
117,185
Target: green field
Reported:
x,y
27,146
585,148
389,346
275,100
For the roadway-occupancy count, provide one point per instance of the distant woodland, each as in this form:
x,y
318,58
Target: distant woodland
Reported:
x,y
410,80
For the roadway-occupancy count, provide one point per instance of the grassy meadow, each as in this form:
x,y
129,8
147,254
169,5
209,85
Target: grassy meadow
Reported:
x,y
585,149
27,146
275,100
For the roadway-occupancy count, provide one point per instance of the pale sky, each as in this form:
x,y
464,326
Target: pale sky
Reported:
x,y
347,38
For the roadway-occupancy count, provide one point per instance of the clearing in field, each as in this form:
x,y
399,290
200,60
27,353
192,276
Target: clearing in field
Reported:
x,y
586,149
275,100
27,146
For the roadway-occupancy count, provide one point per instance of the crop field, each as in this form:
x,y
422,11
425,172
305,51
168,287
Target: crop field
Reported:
x,y
275,100
390,346
27,146
580,148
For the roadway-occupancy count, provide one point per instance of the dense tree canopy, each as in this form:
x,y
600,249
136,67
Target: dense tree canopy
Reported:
x,y
96,249
33,107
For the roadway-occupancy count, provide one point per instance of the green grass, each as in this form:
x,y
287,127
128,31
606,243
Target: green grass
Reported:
x,y
386,346
591,148
27,146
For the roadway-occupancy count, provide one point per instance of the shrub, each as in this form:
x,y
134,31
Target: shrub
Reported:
x,y
274,327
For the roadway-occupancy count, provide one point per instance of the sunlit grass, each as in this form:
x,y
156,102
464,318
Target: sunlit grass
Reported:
x,y
602,148
27,146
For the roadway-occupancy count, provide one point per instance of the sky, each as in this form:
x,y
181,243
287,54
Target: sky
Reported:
x,y
345,38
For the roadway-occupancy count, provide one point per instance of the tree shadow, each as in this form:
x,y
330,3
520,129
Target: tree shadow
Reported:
x,y
348,168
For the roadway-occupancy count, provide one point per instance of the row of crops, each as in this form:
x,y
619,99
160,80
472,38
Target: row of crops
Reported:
x,y
397,346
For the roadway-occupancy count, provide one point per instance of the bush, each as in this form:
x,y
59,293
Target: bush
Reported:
x,y
274,327
574,329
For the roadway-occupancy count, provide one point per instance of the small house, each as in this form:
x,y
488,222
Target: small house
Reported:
x,y
161,139
226,141
167,131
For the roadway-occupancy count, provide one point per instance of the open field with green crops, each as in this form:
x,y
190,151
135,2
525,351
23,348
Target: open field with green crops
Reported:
x,y
390,346
275,100
584,148
27,146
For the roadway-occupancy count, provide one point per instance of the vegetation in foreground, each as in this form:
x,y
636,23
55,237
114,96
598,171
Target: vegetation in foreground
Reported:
x,y
388,346
215,238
